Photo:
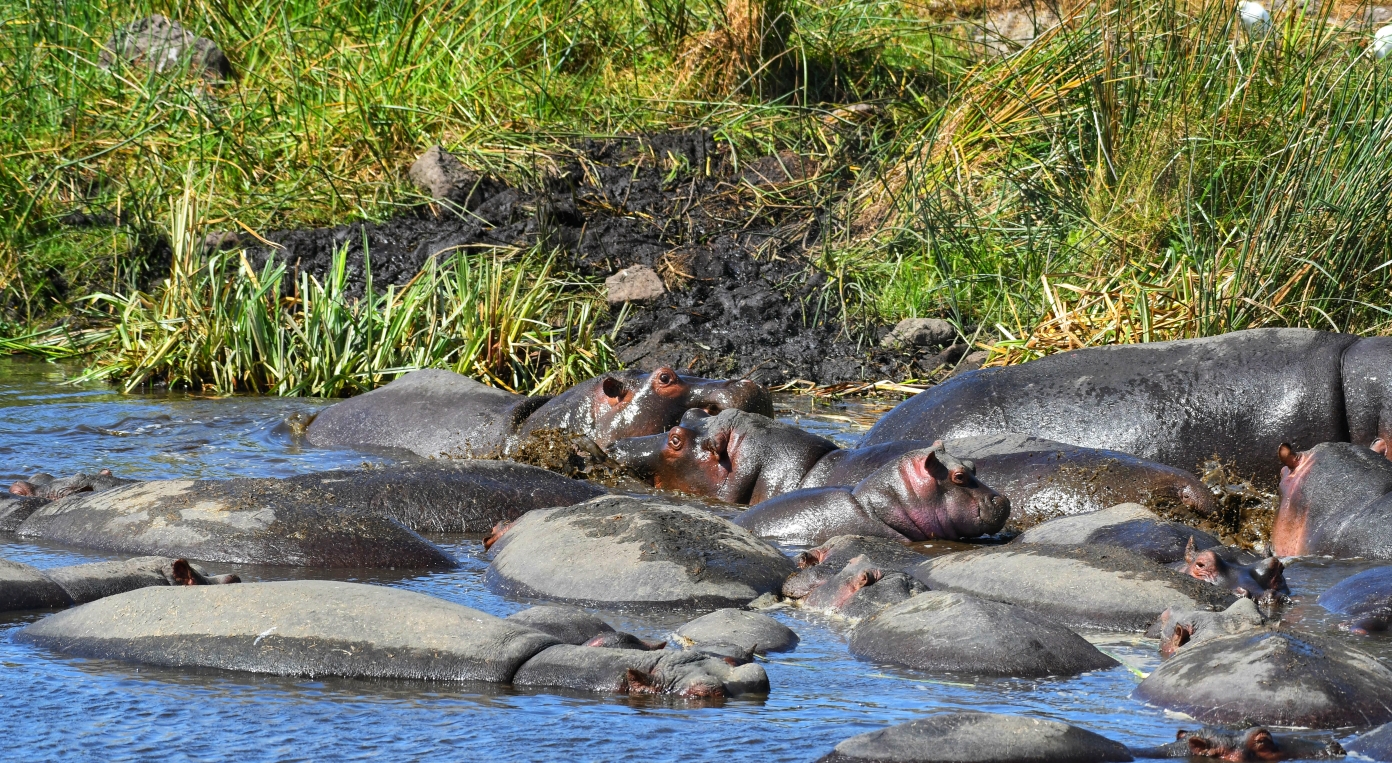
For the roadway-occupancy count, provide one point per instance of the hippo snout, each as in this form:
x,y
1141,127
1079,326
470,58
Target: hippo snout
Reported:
x,y
741,394
993,511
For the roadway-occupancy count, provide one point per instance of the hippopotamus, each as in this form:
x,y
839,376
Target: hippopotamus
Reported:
x,y
1365,599
620,551
741,457
1375,744
1336,500
433,412
1179,627
1254,744
23,587
46,486
923,495
978,737
1273,677
751,632
328,628
1130,526
1222,567
926,632
1239,395
860,590
818,565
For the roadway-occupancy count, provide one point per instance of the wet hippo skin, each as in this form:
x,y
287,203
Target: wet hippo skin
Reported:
x,y
1239,395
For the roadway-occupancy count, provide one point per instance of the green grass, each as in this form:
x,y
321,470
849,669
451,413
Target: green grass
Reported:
x,y
1144,172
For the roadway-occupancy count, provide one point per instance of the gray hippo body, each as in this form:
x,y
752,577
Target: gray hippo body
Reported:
x,y
1239,396
1365,600
980,738
433,412
1273,677
1336,500
739,457
325,628
240,521
622,551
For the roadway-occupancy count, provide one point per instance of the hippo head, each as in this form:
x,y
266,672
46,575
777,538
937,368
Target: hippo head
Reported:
x,y
1326,480
730,456
1254,744
634,404
927,494
1250,580
51,488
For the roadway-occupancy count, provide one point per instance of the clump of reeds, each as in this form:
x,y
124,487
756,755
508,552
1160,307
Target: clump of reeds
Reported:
x,y
745,51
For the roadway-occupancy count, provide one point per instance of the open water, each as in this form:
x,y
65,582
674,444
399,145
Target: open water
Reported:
x,y
69,709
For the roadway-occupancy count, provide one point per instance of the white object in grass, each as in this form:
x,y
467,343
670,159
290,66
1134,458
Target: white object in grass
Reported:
x,y
1382,41
1253,16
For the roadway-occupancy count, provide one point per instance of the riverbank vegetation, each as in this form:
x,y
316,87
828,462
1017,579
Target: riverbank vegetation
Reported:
x,y
1139,171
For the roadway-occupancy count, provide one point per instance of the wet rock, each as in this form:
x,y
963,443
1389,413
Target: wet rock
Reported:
x,y
165,46
1081,587
979,738
633,284
302,627
1273,678
751,631
568,625
630,671
440,174
919,332
23,587
89,582
1180,628
1375,744
617,550
241,521
1129,525
954,633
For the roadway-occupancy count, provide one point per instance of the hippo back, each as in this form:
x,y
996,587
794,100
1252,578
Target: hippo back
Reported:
x,y
431,412
1239,395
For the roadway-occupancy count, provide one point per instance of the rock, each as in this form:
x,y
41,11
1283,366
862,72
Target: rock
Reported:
x,y
165,46
618,550
1007,31
630,671
751,631
1129,525
978,738
955,633
1081,587
919,332
440,174
1375,744
633,284
296,628
568,625
23,587
1181,628
1273,678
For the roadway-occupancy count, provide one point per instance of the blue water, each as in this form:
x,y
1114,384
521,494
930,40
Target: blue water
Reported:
x,y
62,708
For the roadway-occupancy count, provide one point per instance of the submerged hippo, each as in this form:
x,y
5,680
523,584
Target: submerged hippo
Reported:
x,y
325,628
1273,677
1224,567
980,738
1179,628
1239,396
739,457
923,495
818,565
23,587
51,488
1336,500
1254,744
861,589
1364,599
433,412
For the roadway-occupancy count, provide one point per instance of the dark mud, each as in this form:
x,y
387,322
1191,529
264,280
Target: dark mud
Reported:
x,y
732,237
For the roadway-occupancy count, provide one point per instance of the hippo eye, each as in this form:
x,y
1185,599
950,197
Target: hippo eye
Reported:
x,y
675,442
960,477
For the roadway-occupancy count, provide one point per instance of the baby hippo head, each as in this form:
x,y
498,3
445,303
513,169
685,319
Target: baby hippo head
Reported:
x,y
1254,744
927,494
632,404
1250,580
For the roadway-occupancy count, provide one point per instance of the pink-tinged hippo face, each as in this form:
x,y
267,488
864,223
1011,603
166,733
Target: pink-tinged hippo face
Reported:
x,y
635,405
927,494
1290,532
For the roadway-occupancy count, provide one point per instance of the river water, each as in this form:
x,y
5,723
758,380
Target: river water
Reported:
x,y
99,710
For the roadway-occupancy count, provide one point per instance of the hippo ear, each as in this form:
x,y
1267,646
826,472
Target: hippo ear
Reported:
x,y
182,573
1198,746
1268,572
1189,551
1289,458
612,388
1380,446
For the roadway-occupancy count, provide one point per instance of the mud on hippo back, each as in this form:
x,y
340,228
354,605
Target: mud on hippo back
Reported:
x,y
434,412
1238,395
